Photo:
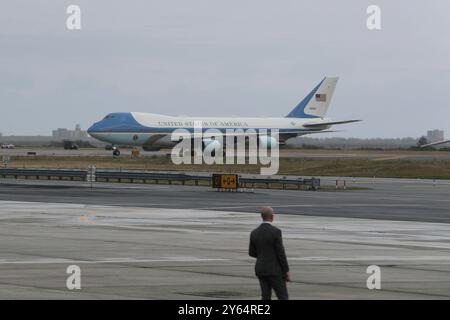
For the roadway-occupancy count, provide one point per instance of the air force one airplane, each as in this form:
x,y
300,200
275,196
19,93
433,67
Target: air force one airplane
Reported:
x,y
153,131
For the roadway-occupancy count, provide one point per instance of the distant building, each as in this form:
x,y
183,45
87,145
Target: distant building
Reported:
x,y
66,134
435,135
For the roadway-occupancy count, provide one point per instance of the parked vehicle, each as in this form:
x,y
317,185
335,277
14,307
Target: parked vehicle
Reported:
x,y
70,145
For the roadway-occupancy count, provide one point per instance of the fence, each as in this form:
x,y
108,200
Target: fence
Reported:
x,y
157,177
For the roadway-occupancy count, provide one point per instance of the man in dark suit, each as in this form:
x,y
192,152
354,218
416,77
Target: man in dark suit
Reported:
x,y
272,269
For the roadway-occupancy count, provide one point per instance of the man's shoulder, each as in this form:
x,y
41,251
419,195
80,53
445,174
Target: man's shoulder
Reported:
x,y
266,226
275,229
269,226
257,229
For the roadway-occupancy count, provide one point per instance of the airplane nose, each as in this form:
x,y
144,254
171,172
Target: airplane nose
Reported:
x,y
92,130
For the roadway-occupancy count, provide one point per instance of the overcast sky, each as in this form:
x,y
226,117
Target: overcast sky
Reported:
x,y
222,58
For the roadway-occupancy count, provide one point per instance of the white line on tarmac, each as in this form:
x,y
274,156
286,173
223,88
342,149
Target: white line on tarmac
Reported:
x,y
312,205
132,260
374,258
251,206
113,260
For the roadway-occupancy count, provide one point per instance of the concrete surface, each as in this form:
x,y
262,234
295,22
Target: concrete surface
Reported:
x,y
154,253
284,152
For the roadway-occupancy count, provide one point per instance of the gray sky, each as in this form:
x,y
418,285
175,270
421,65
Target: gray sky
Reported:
x,y
220,58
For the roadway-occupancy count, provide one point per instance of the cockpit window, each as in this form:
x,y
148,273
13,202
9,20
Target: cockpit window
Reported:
x,y
109,116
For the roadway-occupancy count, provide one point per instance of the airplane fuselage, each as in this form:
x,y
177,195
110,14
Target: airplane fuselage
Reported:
x,y
138,129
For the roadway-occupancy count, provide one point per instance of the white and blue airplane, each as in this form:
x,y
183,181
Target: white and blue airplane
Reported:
x,y
153,131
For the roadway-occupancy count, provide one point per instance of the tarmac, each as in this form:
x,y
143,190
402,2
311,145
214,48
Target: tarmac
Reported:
x,y
185,242
323,154
386,199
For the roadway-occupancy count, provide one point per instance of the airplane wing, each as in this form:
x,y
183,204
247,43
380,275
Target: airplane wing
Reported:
x,y
286,135
323,131
282,136
330,123
434,143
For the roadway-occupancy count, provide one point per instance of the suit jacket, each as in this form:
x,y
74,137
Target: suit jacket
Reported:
x,y
266,245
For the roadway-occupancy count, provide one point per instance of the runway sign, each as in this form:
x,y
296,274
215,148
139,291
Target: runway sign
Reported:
x,y
225,181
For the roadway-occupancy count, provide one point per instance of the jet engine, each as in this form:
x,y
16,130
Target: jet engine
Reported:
x,y
267,142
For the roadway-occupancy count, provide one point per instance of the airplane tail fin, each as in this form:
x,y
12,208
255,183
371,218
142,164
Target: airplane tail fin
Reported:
x,y
315,104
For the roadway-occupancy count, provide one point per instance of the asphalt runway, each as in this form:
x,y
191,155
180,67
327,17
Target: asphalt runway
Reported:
x,y
154,253
325,154
387,199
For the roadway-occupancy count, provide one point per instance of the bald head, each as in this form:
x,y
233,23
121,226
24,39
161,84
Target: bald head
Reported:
x,y
267,214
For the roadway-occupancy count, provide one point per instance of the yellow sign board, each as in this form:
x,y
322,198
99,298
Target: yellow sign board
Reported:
x,y
229,181
225,181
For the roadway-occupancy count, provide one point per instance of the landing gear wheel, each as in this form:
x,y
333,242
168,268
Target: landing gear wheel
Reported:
x,y
116,153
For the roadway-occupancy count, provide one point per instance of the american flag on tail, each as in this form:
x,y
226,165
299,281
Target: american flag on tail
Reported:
x,y
322,97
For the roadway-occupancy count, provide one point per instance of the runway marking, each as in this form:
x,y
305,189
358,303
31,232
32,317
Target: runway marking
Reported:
x,y
104,261
374,258
251,206
133,260
388,158
310,205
